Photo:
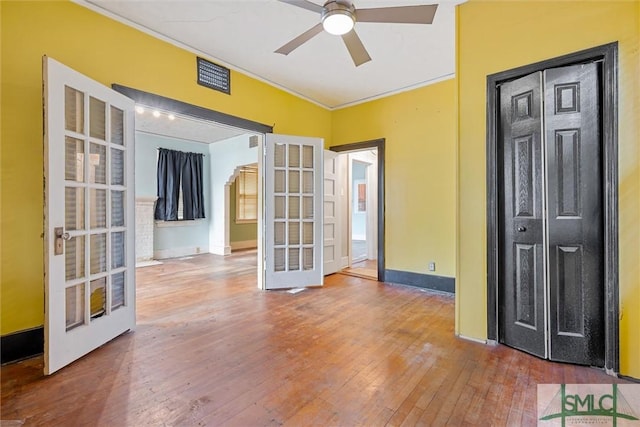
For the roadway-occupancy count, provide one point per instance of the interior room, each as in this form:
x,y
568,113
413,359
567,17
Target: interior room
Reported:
x,y
237,150
484,156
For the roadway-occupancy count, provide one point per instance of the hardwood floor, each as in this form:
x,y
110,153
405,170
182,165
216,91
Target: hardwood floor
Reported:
x,y
367,269
211,349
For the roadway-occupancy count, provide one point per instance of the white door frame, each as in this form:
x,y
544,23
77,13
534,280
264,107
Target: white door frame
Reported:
x,y
371,181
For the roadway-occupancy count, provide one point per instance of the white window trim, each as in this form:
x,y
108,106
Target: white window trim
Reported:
x,y
179,223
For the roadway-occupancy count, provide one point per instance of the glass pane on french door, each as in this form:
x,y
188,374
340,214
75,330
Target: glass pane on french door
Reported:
x,y
95,195
293,190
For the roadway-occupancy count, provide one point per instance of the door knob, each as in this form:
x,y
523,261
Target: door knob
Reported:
x,y
60,235
522,229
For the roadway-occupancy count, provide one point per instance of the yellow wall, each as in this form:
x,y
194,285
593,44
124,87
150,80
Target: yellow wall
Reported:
x,y
1,179
108,52
419,127
497,36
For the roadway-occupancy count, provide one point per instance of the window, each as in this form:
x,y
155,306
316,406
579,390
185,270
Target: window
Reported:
x,y
180,206
247,195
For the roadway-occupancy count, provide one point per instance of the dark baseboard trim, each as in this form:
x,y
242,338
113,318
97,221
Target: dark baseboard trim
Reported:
x,y
21,345
632,379
426,281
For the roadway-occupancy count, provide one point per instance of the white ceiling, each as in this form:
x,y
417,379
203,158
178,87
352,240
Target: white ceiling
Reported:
x,y
243,35
183,127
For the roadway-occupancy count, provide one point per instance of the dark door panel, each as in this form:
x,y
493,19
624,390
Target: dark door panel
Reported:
x,y
521,288
574,175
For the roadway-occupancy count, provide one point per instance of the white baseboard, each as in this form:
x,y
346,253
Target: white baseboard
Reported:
x,y
244,244
148,263
479,341
220,250
178,252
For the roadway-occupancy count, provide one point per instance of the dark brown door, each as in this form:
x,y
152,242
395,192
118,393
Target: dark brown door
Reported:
x,y
574,183
551,290
521,291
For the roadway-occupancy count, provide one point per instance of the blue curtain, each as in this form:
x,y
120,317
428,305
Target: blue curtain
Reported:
x,y
176,168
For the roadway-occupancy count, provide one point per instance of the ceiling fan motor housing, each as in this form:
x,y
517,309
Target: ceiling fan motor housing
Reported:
x,y
338,8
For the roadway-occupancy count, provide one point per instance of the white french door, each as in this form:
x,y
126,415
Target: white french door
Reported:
x,y
332,232
89,215
293,197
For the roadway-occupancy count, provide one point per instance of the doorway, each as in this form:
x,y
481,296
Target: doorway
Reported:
x,y
289,175
242,208
362,216
229,143
552,187
365,215
358,206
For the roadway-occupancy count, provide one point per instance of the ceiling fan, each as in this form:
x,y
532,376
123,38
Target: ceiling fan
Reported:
x,y
338,17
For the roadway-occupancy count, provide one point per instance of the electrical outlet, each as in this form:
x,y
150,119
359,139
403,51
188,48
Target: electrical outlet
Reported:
x,y
432,266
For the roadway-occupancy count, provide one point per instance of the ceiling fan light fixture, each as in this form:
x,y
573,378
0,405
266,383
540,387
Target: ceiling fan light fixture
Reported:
x,y
338,18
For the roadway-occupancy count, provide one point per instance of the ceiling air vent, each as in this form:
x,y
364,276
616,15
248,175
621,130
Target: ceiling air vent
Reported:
x,y
214,76
253,141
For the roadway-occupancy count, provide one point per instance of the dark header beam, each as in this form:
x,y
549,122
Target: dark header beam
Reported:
x,y
179,107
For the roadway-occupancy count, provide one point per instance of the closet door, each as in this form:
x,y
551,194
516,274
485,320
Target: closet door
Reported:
x,y
576,278
551,284
521,291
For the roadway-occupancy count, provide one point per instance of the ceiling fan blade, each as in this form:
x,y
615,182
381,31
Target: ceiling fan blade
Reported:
x,y
302,38
356,49
398,15
304,4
